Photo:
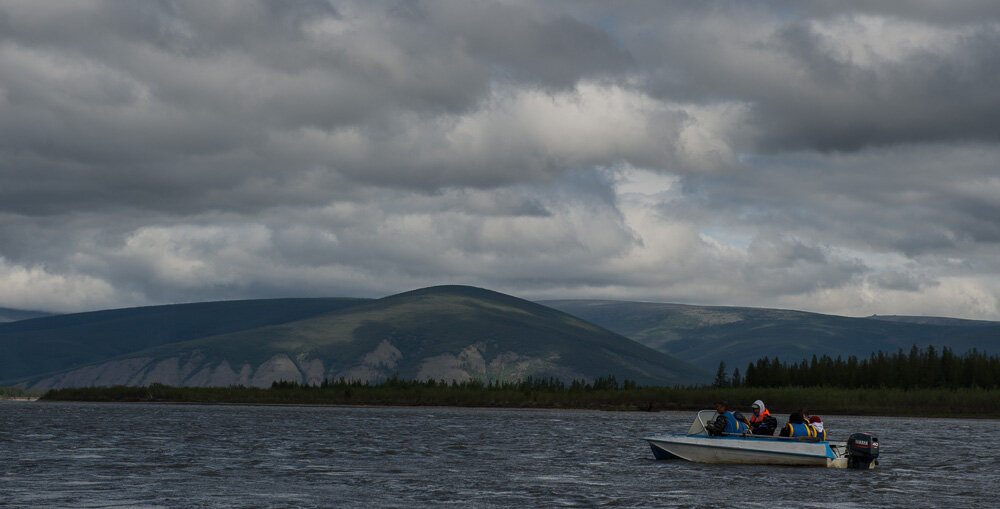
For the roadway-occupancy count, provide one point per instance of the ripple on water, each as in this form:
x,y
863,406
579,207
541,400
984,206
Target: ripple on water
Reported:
x,y
220,456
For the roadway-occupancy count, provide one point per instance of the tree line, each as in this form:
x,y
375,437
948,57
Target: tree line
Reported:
x,y
531,392
527,384
925,368
541,393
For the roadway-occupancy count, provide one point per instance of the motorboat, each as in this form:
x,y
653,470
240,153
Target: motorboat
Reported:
x,y
859,451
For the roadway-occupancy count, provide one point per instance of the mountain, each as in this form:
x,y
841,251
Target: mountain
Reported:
x,y
442,333
57,343
706,335
13,315
934,320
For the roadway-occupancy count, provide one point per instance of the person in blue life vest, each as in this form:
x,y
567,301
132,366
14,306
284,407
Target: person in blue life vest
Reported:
x,y
798,426
725,422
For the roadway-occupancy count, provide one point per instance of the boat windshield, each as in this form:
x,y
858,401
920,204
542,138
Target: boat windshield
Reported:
x,y
698,426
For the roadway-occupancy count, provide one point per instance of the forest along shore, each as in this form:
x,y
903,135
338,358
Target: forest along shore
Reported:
x,y
603,394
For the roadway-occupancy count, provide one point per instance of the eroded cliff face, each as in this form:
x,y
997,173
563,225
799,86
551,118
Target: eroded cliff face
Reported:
x,y
379,364
196,370
467,365
471,363
192,370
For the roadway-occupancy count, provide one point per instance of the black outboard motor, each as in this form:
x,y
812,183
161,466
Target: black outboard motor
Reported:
x,y
862,450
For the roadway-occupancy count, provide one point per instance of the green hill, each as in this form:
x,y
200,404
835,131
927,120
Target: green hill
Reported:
x,y
705,335
448,332
56,343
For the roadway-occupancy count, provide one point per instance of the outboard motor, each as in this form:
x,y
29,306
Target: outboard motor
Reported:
x,y
862,450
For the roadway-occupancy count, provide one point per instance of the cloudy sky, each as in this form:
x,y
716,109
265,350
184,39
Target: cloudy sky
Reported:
x,y
839,157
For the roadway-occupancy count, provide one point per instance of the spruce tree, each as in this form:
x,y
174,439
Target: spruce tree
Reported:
x,y
721,379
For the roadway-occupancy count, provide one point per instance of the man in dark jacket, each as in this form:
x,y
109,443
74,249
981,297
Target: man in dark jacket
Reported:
x,y
717,426
726,422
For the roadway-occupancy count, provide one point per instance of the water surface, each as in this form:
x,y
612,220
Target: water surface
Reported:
x,y
108,455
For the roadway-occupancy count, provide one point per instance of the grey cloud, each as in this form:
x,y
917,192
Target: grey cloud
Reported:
x,y
930,11
924,97
900,280
177,151
809,90
176,105
554,52
778,265
374,243
916,201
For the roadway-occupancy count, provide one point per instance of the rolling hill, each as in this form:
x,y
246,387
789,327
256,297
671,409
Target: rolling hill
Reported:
x,y
448,332
706,335
934,320
13,315
58,343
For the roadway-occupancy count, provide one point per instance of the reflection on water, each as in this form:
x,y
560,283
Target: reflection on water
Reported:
x,y
90,455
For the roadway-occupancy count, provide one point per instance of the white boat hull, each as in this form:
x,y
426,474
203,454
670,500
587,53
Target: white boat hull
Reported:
x,y
749,450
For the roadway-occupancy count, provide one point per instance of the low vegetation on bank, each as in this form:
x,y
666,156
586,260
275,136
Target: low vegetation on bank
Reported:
x,y
602,394
924,382
18,393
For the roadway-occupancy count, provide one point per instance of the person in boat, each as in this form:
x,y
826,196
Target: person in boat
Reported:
x,y
761,422
814,422
726,422
817,424
742,418
798,426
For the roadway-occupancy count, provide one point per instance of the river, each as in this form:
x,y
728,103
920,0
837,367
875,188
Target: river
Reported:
x,y
135,455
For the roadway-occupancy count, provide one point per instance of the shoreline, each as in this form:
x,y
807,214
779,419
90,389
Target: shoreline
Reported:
x,y
944,403
993,417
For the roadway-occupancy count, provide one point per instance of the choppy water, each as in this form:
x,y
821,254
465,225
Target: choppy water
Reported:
x,y
102,455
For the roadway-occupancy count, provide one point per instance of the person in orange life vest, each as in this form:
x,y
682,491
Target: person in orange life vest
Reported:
x,y
726,422
761,422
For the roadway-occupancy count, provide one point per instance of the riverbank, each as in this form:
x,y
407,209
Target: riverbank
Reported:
x,y
18,394
970,403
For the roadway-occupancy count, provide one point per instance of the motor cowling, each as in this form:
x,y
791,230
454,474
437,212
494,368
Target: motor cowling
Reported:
x,y
862,450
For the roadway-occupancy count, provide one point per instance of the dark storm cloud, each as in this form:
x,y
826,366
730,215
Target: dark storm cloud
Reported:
x,y
922,97
824,77
184,103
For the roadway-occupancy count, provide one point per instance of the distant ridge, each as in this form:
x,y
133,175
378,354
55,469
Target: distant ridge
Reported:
x,y
444,332
706,335
935,320
13,315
